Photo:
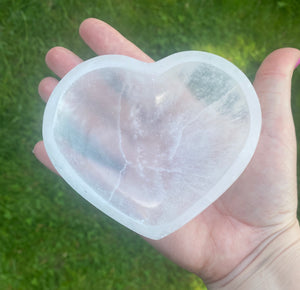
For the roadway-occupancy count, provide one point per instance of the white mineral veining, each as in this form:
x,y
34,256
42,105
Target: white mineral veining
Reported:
x,y
152,145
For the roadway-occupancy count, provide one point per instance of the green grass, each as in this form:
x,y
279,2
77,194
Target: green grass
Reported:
x,y
50,238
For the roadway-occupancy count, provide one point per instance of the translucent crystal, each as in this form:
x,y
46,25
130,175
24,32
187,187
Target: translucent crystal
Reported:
x,y
152,145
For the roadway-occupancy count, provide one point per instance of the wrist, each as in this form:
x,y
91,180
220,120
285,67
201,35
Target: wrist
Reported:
x,y
274,265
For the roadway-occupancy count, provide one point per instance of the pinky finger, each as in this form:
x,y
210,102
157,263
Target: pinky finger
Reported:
x,y
40,153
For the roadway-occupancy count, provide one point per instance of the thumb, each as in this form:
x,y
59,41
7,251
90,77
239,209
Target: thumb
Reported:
x,y
273,87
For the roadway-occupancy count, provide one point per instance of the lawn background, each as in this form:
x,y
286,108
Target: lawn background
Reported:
x,y
50,238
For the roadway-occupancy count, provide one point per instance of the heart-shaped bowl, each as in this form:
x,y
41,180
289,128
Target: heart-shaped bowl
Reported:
x,y
152,144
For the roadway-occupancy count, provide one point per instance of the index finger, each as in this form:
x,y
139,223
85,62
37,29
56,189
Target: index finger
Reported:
x,y
104,39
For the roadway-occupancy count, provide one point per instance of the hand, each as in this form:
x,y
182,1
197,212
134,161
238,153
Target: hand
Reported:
x,y
259,207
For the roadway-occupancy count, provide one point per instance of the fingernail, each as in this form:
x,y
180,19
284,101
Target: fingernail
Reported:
x,y
298,62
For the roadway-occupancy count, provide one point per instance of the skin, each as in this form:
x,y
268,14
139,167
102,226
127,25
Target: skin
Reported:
x,y
246,221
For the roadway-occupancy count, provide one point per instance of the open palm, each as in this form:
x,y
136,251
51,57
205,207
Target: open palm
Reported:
x,y
260,205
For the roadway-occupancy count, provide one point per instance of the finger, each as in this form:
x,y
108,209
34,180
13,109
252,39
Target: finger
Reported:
x,y
46,87
40,153
104,39
61,60
273,83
